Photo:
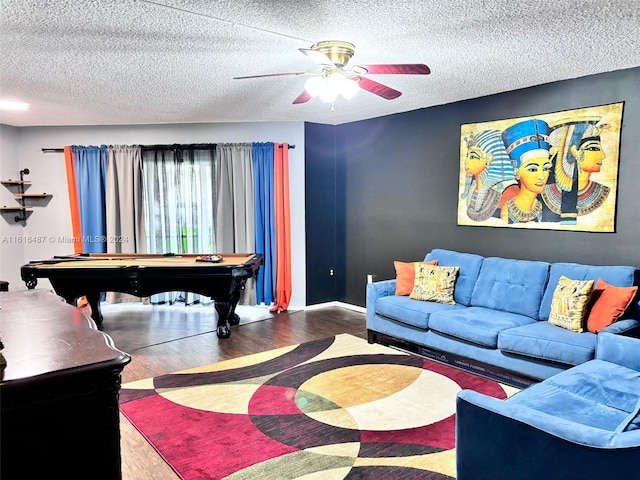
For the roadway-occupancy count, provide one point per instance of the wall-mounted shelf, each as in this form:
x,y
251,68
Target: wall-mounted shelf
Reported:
x,y
15,182
17,208
21,196
33,195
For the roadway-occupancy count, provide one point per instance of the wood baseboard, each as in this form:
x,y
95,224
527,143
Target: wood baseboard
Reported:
x,y
355,308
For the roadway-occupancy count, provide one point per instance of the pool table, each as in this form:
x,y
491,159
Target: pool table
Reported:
x,y
89,275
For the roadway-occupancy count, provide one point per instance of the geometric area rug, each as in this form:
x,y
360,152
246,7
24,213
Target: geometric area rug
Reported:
x,y
336,408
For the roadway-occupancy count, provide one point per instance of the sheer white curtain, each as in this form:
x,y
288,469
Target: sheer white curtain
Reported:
x,y
125,206
235,208
181,191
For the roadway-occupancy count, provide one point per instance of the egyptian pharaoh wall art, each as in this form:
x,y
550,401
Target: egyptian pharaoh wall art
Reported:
x,y
555,171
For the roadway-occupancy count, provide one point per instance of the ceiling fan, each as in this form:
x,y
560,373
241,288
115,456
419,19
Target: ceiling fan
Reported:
x,y
335,79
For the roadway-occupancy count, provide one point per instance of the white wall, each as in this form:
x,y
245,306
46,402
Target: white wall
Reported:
x,y
51,222
11,233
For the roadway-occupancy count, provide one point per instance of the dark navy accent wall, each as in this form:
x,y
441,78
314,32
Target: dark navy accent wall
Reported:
x,y
320,213
397,186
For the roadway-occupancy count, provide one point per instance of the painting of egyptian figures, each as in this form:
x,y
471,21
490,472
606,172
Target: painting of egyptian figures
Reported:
x,y
555,171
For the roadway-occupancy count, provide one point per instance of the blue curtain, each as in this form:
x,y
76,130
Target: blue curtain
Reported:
x,y
263,156
91,172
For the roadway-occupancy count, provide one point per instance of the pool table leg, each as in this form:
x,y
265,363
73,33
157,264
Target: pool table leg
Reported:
x,y
94,302
227,314
93,299
224,310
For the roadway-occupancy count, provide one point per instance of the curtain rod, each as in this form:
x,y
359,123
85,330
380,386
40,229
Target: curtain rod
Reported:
x,y
61,150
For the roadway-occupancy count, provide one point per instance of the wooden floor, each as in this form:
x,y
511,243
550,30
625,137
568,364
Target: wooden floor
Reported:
x,y
165,342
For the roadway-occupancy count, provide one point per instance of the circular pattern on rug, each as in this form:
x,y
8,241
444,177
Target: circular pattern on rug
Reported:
x,y
335,408
376,397
359,410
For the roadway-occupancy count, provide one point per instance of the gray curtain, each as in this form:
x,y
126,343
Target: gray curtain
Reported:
x,y
125,206
235,206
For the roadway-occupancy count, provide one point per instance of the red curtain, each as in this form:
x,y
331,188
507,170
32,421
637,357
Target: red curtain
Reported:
x,y
74,207
283,227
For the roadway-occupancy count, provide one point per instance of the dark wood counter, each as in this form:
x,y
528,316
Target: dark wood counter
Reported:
x,y
58,391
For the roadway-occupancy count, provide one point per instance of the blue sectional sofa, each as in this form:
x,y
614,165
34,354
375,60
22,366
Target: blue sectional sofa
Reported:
x,y
499,319
581,423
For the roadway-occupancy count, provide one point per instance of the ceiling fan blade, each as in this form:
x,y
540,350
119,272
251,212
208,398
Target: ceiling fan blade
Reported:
x,y
302,98
288,74
398,68
318,58
378,89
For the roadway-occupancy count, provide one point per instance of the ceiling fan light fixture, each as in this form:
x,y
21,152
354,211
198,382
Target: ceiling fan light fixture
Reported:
x,y
349,88
328,95
314,85
328,87
342,85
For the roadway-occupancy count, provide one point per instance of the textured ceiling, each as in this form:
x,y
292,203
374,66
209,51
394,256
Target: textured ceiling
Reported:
x,y
114,62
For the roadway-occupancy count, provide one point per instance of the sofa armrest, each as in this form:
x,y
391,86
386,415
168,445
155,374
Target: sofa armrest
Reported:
x,y
382,288
628,325
375,290
619,349
498,440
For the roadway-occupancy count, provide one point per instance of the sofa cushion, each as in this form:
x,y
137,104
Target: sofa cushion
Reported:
x,y
476,324
620,276
411,312
514,286
597,393
469,264
434,283
569,304
549,342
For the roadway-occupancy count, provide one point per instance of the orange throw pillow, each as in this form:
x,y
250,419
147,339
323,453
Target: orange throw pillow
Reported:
x,y
609,303
406,275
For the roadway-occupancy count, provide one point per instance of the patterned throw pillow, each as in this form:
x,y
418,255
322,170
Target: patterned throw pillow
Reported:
x,y
569,304
434,283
